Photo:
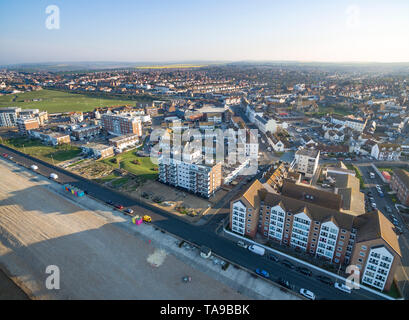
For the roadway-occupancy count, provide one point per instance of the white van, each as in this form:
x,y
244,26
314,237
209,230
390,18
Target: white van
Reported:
x,y
257,250
53,176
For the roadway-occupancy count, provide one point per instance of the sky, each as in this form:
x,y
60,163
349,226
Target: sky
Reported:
x,y
210,30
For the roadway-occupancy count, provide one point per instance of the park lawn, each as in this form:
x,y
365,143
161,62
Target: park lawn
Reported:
x,y
58,101
144,170
37,149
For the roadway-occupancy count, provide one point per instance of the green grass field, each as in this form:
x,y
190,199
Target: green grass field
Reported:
x,y
144,169
58,101
35,148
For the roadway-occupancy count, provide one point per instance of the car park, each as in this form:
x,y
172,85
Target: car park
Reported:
x,y
307,293
325,280
263,273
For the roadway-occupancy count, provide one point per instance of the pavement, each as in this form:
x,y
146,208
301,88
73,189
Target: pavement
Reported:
x,y
198,235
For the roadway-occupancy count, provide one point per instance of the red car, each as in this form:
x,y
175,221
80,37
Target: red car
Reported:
x,y
5,155
119,206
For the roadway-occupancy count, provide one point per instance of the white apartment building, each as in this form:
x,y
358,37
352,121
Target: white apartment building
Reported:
x,y
355,124
8,116
306,161
251,113
386,151
200,179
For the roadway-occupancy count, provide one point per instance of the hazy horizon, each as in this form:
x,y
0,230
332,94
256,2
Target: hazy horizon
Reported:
x,y
125,31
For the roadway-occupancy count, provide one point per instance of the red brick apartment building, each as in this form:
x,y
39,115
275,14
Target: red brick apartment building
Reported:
x,y
122,124
400,184
317,225
24,125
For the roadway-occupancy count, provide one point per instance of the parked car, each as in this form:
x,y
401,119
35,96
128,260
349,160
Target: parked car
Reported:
x,y
5,155
130,211
325,280
388,209
285,283
288,264
273,257
307,293
304,271
110,202
342,287
398,230
34,167
119,206
242,244
263,273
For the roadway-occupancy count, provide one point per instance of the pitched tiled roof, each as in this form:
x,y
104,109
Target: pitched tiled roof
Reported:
x,y
375,225
320,197
316,212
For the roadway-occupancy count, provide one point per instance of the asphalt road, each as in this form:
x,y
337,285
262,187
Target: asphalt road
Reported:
x,y
199,235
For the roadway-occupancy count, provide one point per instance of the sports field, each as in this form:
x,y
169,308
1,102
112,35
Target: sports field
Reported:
x,y
58,101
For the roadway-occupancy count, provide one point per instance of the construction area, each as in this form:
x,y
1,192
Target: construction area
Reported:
x,y
99,253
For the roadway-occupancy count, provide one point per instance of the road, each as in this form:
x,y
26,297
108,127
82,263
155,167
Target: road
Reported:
x,y
198,235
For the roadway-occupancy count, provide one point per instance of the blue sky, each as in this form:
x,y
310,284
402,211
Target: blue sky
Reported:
x,y
176,30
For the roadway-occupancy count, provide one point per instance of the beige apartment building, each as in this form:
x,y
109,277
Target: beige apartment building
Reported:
x,y
315,222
